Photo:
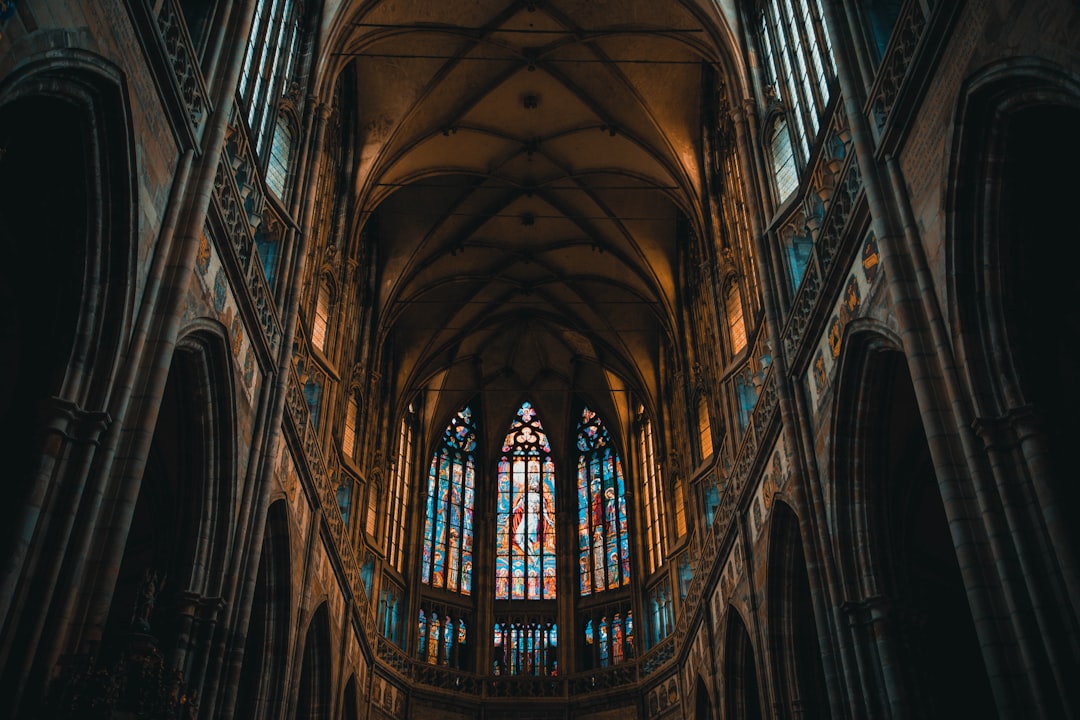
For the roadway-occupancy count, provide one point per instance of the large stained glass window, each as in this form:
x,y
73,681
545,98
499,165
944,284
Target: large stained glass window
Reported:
x,y
448,520
525,521
604,553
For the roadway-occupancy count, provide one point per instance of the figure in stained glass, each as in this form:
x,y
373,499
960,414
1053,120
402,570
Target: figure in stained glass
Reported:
x,y
446,557
525,512
602,528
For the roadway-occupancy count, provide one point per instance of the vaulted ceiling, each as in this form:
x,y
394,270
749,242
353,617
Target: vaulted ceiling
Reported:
x,y
531,168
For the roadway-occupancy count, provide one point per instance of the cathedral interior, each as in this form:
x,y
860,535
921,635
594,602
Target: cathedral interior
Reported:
x,y
539,359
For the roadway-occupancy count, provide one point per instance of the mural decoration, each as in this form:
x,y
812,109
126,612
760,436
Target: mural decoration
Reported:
x,y
215,285
772,481
863,274
724,591
289,480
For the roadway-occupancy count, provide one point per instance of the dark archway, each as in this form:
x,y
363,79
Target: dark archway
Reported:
x,y
313,690
1039,254
1011,253
703,709
350,703
793,633
179,530
43,236
741,694
66,218
266,648
940,660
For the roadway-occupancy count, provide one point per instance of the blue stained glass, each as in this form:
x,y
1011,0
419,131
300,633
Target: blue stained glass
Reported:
x,y
602,528
525,511
448,527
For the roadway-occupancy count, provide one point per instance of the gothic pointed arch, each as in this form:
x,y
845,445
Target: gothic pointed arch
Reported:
x,y
313,691
447,540
525,512
603,537
68,203
910,584
793,639
865,343
1010,308
179,530
350,702
266,645
741,694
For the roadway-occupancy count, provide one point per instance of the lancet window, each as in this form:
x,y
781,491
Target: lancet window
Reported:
x,y
525,512
448,518
603,547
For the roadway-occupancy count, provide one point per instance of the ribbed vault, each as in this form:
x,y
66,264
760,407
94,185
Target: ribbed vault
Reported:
x,y
528,171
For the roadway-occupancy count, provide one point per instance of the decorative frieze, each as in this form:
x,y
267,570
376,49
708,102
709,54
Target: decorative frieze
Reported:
x,y
183,60
908,31
241,242
315,469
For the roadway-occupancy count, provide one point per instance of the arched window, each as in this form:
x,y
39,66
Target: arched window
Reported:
x,y
268,246
879,18
390,605
269,64
313,395
680,508
399,499
733,307
656,539
797,247
277,170
344,497
608,636
374,494
785,172
661,619
799,59
705,446
525,513
321,320
603,549
348,434
442,636
448,520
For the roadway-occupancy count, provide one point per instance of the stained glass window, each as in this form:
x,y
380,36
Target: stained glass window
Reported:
x,y
441,636
609,636
448,520
525,512
603,547
525,648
